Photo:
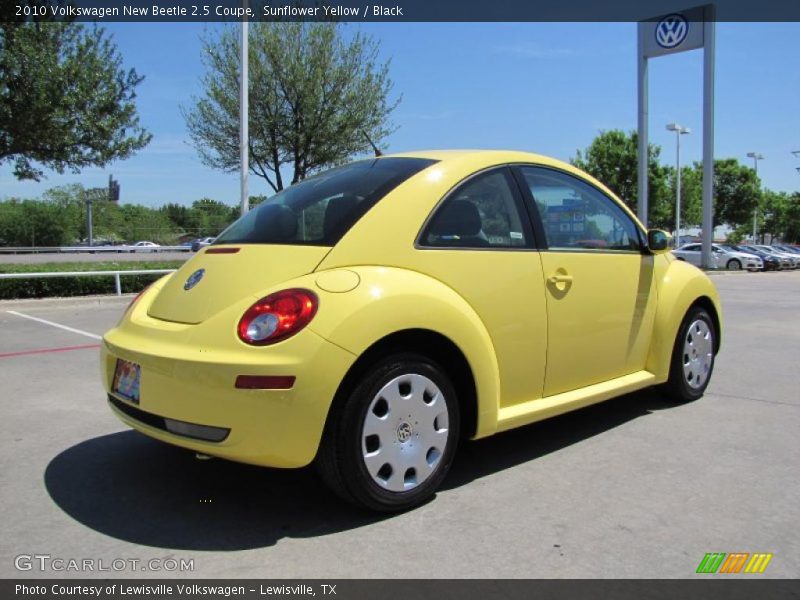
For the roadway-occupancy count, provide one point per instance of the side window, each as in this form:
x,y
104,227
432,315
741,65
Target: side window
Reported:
x,y
482,213
577,215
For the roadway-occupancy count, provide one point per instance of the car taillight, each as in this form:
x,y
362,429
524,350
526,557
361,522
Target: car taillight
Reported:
x,y
277,316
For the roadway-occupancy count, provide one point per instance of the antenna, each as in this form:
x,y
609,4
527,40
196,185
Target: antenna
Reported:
x,y
375,149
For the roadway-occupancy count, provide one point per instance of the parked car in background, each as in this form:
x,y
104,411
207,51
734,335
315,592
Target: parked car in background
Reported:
x,y
145,247
722,257
788,250
785,262
202,243
794,260
772,262
792,250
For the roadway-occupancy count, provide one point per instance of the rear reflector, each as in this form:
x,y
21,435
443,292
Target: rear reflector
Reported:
x,y
222,250
265,382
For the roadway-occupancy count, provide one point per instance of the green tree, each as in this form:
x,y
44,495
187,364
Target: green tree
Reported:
x,y
736,236
791,216
70,201
210,217
66,102
612,157
178,214
135,222
33,223
691,196
780,215
736,192
313,95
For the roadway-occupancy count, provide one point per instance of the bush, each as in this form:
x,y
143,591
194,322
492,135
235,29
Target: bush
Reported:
x,y
11,289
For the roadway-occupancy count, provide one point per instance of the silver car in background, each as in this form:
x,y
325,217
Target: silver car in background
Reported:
x,y
794,259
721,258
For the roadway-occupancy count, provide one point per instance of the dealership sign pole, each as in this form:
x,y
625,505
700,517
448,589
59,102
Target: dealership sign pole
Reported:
x,y
669,34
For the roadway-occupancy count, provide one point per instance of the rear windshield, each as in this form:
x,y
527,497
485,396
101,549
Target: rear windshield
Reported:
x,y
320,210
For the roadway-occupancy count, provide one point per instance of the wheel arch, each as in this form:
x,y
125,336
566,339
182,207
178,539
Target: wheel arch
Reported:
x,y
431,344
682,287
708,305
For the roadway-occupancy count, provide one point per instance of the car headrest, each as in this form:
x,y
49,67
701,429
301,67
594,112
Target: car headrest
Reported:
x,y
336,212
457,218
275,222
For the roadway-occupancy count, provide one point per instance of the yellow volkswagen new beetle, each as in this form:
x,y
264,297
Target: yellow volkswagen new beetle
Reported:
x,y
369,317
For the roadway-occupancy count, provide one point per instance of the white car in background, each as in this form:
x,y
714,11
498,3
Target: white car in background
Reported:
x,y
720,258
201,243
145,247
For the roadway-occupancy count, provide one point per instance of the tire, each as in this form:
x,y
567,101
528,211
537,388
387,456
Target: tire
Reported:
x,y
404,413
734,265
693,357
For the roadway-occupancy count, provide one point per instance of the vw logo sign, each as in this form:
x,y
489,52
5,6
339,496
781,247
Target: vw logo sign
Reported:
x,y
194,279
671,31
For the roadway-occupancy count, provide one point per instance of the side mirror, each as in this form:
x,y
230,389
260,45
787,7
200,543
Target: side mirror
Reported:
x,y
658,241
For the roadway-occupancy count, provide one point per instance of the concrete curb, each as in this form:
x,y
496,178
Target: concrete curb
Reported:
x,y
715,273
71,302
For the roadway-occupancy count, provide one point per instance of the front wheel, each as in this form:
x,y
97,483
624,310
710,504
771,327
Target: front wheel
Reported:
x,y
734,265
692,356
390,444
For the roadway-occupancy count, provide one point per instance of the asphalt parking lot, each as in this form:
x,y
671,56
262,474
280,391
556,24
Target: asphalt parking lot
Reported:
x,y
634,487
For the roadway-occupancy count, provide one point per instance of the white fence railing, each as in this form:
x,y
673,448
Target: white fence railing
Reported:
x,y
116,274
90,249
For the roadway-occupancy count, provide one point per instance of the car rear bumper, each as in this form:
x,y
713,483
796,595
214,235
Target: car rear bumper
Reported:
x,y
188,396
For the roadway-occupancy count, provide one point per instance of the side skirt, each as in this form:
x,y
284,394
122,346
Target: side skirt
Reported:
x,y
544,408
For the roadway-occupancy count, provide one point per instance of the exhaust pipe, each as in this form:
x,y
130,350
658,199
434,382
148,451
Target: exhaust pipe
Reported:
x,y
201,456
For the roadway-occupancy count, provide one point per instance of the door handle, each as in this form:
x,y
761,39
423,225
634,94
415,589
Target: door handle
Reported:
x,y
556,279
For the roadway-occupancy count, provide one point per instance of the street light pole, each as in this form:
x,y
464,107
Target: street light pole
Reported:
x,y
244,138
679,130
756,157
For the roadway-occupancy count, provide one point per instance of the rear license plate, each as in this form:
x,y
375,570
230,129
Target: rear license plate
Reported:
x,y
126,380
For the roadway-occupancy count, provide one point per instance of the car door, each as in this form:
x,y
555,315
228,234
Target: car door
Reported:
x,y
479,242
692,254
600,288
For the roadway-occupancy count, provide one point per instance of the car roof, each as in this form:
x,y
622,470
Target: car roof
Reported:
x,y
491,156
474,159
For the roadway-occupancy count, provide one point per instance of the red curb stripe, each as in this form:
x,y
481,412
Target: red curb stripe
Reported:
x,y
47,350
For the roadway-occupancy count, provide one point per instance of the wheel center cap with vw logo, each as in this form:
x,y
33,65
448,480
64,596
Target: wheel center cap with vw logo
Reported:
x,y
194,279
671,31
404,432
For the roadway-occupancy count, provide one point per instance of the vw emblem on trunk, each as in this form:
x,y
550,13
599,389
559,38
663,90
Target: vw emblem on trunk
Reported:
x,y
194,279
671,31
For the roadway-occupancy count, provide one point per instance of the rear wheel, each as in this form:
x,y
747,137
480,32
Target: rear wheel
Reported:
x,y
692,356
390,444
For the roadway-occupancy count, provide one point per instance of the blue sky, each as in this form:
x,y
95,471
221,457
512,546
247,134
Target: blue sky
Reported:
x,y
544,87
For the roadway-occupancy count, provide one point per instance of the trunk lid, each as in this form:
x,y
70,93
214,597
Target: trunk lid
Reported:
x,y
216,280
